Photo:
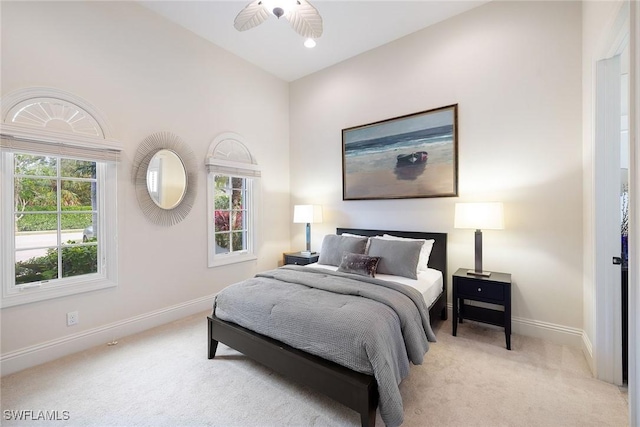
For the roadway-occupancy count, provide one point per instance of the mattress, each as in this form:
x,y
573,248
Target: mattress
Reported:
x,y
428,283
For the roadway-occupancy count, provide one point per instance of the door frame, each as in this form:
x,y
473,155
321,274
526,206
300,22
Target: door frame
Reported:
x,y
608,339
634,213
626,27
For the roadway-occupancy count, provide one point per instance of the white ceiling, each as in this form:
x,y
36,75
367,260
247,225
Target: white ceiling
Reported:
x,y
350,28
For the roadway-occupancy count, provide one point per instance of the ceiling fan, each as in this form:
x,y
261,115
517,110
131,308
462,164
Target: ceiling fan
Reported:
x,y
303,17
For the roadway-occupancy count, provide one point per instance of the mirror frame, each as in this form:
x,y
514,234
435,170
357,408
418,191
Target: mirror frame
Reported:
x,y
146,150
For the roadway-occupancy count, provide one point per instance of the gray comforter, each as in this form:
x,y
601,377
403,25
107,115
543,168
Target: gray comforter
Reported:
x,y
369,325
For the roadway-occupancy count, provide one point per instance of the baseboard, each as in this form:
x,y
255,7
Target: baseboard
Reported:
x,y
558,334
44,352
587,350
35,355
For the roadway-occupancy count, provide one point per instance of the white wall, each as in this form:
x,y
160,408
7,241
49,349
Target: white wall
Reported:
x,y
145,75
514,69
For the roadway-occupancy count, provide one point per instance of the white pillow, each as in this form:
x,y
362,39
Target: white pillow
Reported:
x,y
425,252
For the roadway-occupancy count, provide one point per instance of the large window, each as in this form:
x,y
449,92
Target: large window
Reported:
x,y
233,194
58,202
55,218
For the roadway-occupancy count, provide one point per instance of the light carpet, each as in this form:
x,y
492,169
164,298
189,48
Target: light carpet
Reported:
x,y
162,377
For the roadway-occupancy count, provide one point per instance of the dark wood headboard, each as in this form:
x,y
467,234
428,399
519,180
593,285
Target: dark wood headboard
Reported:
x,y
438,257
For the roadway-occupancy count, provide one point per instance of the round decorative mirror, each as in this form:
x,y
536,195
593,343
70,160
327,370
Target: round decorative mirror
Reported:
x,y
166,179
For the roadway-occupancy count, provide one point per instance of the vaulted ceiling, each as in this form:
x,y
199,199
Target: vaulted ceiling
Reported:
x,y
350,28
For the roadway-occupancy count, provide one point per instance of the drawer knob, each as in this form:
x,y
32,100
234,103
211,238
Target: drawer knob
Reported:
x,y
479,289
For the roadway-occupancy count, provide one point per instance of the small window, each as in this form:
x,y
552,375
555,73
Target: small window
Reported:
x,y
232,214
233,188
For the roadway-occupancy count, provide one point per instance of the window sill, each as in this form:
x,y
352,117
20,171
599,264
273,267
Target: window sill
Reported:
x,y
36,294
234,259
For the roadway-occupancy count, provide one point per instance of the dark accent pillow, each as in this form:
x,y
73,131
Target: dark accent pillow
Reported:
x,y
359,264
397,257
333,246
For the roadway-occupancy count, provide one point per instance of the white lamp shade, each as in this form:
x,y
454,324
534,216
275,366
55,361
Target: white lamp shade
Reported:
x,y
479,216
307,213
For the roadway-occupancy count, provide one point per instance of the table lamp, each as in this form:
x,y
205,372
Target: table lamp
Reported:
x,y
478,216
307,214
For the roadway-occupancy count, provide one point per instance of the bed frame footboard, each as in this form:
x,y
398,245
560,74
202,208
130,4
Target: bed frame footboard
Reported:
x,y
353,389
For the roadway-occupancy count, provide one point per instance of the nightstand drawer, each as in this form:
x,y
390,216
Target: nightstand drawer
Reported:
x,y
476,289
297,258
493,289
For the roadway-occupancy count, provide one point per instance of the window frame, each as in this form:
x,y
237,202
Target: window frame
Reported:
x,y
228,156
106,276
247,254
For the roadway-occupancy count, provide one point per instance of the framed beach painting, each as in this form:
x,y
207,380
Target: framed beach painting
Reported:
x,y
405,157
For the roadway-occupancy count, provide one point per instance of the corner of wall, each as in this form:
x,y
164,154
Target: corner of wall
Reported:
x,y
587,350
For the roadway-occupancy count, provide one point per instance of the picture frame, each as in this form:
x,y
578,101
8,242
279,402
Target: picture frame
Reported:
x,y
411,156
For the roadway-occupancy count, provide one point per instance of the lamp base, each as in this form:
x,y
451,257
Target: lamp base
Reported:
x,y
478,273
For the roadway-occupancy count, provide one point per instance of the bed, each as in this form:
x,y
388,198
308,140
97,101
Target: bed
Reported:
x,y
355,388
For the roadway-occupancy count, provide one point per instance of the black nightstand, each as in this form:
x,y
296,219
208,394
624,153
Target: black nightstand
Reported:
x,y
495,289
299,259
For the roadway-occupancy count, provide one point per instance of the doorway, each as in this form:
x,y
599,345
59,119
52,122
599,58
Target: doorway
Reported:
x,y
611,166
624,209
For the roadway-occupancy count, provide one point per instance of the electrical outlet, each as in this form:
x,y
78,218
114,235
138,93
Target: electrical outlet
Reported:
x,y
72,318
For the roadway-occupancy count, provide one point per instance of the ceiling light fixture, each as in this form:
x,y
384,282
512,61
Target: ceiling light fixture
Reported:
x,y
303,17
279,7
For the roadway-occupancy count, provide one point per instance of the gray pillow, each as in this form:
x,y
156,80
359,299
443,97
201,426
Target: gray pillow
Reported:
x,y
397,257
359,264
333,246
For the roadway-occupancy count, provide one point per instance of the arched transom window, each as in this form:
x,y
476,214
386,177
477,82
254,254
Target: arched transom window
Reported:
x,y
55,114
